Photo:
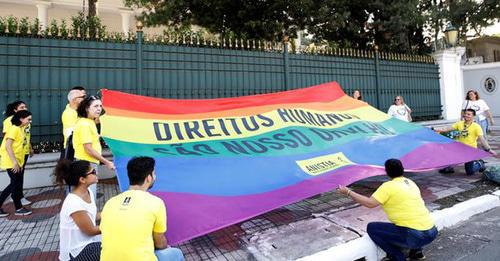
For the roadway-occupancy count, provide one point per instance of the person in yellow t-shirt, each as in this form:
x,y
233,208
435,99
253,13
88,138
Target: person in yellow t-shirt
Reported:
x,y
12,160
411,223
69,115
470,134
11,109
86,141
133,223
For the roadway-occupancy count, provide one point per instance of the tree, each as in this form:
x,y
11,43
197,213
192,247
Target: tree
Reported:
x,y
263,19
393,25
92,8
472,15
466,15
342,21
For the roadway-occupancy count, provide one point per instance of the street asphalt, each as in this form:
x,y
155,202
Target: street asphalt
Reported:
x,y
475,239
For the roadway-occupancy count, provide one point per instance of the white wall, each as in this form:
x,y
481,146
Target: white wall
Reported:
x,y
474,77
108,12
16,10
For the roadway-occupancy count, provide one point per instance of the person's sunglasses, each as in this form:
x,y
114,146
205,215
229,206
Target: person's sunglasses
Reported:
x,y
92,98
397,99
92,172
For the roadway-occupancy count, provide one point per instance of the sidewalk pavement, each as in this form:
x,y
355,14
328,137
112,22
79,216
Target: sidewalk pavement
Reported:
x,y
294,231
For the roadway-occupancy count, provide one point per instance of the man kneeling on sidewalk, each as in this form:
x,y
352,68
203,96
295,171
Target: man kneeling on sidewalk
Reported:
x,y
133,223
469,133
412,225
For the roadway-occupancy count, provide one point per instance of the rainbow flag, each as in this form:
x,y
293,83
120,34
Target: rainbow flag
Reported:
x,y
222,161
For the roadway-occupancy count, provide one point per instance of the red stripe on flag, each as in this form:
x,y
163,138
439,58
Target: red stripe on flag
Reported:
x,y
326,92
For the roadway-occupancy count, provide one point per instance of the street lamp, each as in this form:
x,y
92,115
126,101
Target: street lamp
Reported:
x,y
451,35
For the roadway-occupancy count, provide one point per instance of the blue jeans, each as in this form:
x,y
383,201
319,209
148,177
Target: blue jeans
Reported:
x,y
472,167
169,254
484,125
392,238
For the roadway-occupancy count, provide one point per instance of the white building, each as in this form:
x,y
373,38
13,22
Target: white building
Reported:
x,y
112,13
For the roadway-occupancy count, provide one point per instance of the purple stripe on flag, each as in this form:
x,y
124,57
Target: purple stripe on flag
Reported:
x,y
438,155
197,214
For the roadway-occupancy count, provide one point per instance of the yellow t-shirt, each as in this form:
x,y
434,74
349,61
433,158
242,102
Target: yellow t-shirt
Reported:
x,y
469,135
7,123
17,134
400,198
68,119
128,221
85,132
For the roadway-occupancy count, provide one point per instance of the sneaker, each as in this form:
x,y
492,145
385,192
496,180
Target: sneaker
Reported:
x,y
25,202
22,212
415,255
387,258
3,213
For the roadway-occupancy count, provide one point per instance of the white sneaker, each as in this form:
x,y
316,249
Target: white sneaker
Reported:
x,y
25,202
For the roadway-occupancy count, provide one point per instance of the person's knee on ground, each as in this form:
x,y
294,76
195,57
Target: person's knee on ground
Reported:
x,y
472,167
375,231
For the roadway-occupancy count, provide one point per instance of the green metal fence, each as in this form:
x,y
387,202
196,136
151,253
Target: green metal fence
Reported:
x,y
40,71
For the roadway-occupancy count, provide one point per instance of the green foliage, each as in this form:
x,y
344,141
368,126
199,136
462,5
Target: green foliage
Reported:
x,y
245,19
35,27
3,25
24,26
466,15
63,28
402,26
53,28
17,26
118,37
470,14
87,26
396,26
91,27
79,25
12,24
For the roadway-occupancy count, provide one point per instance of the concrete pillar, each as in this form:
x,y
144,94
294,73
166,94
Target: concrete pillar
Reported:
x,y
97,8
298,41
126,20
451,81
42,8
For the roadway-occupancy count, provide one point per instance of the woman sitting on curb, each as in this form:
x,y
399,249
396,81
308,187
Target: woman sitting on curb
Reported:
x,y
411,223
79,236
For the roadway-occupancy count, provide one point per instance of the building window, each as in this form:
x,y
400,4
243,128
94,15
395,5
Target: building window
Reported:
x,y
496,55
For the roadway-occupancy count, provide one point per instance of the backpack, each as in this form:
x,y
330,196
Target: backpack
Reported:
x,y
492,173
